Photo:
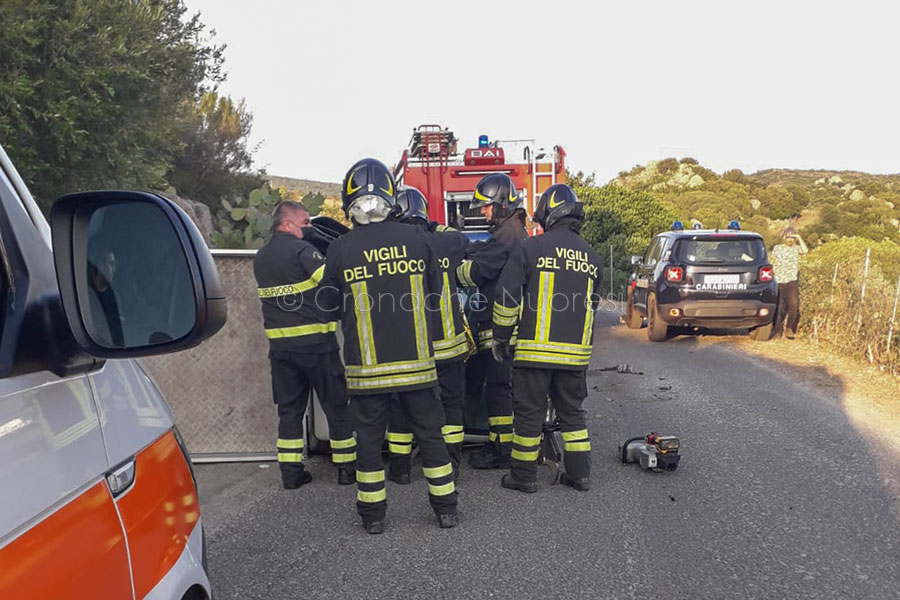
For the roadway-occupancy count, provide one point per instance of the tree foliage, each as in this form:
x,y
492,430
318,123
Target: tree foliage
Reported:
x,y
715,204
619,218
89,89
869,219
214,162
331,207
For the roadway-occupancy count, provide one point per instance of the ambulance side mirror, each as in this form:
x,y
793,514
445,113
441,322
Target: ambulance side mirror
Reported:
x,y
135,276
636,259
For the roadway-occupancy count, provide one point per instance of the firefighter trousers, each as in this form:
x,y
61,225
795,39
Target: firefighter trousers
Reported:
x,y
498,395
567,390
451,380
423,412
293,375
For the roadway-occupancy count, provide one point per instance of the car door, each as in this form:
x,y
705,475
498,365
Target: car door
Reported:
x,y
644,273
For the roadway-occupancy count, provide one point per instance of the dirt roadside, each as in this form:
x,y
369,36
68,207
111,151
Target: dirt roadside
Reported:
x,y
871,397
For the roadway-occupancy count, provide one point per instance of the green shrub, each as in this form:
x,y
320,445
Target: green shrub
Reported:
x,y
831,304
667,165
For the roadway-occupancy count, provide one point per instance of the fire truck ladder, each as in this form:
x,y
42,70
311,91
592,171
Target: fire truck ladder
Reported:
x,y
535,174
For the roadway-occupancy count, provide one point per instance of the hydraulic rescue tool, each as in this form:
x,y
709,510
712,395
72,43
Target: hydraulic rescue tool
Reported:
x,y
550,453
653,451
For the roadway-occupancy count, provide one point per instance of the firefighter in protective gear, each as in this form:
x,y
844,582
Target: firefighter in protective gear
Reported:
x,y
303,348
560,275
384,281
503,206
450,344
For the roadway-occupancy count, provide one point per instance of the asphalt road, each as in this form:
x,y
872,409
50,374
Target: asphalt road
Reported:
x,y
777,496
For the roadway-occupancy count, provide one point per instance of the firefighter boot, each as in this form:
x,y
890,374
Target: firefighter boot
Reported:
x,y
511,483
398,469
346,475
373,527
582,484
491,456
448,520
293,477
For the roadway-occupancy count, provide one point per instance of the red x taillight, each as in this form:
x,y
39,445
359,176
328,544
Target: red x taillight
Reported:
x,y
766,274
674,274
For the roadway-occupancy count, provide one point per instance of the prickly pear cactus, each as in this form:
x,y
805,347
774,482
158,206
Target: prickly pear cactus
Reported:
x,y
245,223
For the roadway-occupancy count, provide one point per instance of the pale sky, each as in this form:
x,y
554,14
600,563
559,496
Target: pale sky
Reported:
x,y
749,85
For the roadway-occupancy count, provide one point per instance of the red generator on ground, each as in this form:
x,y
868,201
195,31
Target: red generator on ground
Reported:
x,y
447,178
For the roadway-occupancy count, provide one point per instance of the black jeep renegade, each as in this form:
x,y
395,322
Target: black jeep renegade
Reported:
x,y
703,279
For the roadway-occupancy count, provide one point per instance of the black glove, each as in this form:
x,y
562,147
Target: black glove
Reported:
x,y
500,350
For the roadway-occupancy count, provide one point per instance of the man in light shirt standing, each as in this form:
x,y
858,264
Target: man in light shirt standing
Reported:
x,y
785,259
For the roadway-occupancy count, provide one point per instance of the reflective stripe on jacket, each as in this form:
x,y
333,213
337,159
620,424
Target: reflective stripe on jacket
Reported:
x,y
288,271
386,287
449,248
484,268
549,288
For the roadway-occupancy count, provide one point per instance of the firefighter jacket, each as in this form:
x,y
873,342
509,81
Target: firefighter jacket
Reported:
x,y
560,275
384,282
449,249
288,270
483,270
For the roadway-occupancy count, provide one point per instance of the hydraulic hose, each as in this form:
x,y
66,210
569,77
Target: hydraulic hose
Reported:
x,y
625,446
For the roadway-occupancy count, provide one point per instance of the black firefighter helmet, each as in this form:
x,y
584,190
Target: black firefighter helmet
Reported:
x,y
411,204
558,201
367,193
499,189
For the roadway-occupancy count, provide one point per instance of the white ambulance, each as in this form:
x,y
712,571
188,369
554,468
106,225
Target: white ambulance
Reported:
x,y
97,496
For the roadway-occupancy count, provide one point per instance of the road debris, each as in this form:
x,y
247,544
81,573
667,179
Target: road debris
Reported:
x,y
623,368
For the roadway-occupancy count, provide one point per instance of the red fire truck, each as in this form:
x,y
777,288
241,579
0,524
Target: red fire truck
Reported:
x,y
447,178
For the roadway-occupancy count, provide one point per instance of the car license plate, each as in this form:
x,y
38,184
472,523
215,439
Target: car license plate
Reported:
x,y
720,279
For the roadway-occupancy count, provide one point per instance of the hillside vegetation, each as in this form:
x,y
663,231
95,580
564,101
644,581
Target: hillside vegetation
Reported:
x,y
822,205
302,187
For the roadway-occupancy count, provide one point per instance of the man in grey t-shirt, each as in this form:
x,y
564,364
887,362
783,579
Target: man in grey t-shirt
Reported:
x,y
785,259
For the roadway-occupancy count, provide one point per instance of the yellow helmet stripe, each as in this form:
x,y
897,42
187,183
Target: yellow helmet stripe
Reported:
x,y
350,189
552,203
389,192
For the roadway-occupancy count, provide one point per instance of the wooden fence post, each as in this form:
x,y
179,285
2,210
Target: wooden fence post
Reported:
x,y
862,294
834,282
893,317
